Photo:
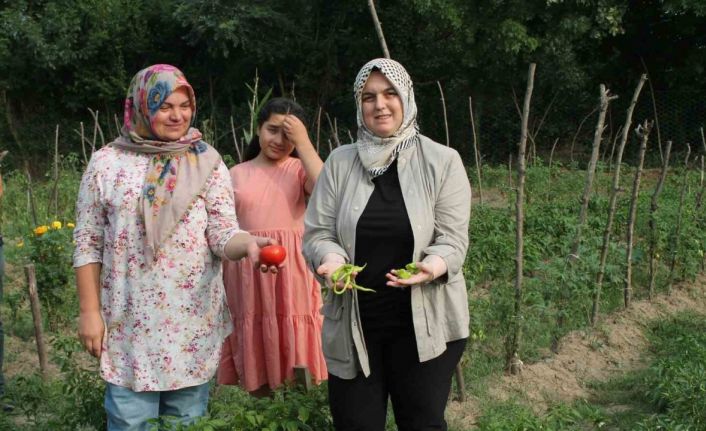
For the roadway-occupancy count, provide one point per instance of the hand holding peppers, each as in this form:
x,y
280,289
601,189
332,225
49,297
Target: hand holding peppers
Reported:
x,y
411,274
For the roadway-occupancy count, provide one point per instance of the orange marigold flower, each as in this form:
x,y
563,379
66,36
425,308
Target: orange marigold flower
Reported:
x,y
41,230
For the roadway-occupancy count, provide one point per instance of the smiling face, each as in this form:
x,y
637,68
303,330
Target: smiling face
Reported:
x,y
173,118
273,143
381,106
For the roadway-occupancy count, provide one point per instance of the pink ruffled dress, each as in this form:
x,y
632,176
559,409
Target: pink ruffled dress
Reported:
x,y
276,318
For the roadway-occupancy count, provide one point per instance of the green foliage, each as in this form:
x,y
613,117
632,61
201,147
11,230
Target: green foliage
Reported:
x,y
71,402
513,417
675,383
289,409
50,248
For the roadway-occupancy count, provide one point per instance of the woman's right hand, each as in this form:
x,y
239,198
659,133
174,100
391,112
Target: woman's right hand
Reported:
x,y
90,331
330,263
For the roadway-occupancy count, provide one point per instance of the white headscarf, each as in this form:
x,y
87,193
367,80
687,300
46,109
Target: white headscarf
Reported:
x,y
378,153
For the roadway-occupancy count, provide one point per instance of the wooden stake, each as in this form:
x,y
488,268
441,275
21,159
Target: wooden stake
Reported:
x,y
643,132
378,28
303,377
677,228
652,221
443,105
30,195
613,202
235,141
605,99
36,317
654,109
55,186
476,153
515,335
318,130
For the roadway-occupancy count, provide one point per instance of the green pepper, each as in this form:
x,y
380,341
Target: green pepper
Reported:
x,y
345,273
409,270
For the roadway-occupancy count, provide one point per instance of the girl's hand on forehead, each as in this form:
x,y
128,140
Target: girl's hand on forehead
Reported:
x,y
295,130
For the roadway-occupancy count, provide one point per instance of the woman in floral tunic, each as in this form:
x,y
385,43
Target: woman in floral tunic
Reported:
x,y
155,216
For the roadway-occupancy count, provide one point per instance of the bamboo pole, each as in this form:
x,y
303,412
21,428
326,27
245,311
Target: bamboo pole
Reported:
x,y
513,351
378,28
643,132
652,222
613,201
36,317
476,153
443,105
677,228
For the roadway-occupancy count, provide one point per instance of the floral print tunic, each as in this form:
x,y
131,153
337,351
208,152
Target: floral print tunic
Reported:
x,y
165,321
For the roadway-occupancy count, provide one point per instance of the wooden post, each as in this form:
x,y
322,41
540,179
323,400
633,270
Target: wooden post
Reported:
x,y
520,218
378,29
652,221
643,132
605,99
54,202
303,377
613,201
443,105
36,317
476,153
235,140
677,228
460,384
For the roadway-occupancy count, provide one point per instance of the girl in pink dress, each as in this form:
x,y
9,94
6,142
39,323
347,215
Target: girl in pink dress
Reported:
x,y
276,319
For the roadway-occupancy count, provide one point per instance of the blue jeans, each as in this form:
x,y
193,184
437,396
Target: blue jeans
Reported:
x,y
128,410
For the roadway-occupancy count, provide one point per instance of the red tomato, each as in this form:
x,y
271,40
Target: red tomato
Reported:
x,y
272,255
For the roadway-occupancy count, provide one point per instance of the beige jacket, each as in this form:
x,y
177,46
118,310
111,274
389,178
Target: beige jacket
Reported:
x,y
437,195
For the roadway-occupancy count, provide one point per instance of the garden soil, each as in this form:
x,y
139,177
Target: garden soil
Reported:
x,y
617,345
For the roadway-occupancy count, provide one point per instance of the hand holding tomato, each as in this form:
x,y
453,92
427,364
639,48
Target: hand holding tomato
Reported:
x,y
254,246
272,255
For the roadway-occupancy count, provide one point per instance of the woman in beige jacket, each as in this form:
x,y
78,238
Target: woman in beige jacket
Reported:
x,y
392,198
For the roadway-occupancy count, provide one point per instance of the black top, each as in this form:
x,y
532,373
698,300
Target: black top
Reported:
x,y
384,240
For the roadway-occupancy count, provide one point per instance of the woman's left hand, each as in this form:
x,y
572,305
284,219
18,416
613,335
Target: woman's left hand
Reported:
x,y
254,247
295,131
425,275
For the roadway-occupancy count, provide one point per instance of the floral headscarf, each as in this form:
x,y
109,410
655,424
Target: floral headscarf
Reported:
x,y
375,152
178,170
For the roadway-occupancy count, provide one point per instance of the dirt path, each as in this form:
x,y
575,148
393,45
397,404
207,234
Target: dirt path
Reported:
x,y
616,346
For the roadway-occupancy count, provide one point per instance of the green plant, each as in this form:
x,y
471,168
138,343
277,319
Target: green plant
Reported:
x,y
50,249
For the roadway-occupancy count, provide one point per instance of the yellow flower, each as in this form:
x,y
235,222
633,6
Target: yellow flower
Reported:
x,y
70,225
56,224
41,230
20,244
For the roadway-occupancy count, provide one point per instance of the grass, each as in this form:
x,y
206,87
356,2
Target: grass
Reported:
x,y
669,394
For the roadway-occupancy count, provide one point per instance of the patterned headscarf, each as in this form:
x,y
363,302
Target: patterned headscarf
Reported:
x,y
178,170
378,153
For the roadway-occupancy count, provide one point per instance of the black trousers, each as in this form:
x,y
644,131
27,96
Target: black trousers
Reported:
x,y
418,390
